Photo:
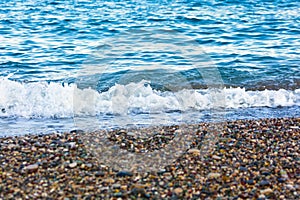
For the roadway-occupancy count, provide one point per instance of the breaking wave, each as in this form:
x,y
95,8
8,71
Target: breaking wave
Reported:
x,y
61,100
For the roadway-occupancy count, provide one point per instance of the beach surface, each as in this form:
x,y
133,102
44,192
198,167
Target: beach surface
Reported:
x,y
249,159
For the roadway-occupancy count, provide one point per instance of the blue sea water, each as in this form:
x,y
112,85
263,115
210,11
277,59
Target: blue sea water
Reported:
x,y
106,64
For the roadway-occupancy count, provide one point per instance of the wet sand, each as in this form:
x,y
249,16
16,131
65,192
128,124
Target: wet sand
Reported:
x,y
250,159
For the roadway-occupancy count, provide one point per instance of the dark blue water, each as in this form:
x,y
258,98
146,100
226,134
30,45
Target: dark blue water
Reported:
x,y
63,59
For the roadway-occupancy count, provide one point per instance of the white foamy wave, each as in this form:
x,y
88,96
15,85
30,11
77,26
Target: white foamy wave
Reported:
x,y
57,100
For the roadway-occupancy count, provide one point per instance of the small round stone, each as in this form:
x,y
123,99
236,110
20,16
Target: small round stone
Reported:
x,y
73,165
178,191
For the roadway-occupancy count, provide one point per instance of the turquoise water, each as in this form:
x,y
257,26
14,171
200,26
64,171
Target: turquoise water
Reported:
x,y
149,62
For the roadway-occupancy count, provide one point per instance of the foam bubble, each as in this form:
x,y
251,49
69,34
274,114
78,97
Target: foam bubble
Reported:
x,y
58,100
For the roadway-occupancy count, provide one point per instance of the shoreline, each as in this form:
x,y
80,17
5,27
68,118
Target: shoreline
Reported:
x,y
249,159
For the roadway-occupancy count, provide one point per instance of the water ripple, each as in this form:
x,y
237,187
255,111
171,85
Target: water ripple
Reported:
x,y
252,42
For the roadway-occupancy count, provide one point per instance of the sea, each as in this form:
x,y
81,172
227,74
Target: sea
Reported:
x,y
85,64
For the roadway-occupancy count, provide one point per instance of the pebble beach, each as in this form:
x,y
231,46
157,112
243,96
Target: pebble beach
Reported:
x,y
250,159
157,99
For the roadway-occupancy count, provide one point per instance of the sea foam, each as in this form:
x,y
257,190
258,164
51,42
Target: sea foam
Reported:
x,y
61,100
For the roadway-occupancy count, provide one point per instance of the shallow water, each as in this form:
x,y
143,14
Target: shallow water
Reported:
x,y
150,62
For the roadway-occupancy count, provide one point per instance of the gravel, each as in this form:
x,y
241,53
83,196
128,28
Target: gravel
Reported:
x,y
249,159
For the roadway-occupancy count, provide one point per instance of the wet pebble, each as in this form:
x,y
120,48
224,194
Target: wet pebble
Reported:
x,y
216,157
32,168
195,152
264,183
131,134
243,169
73,165
137,191
213,175
267,191
116,186
124,174
178,191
